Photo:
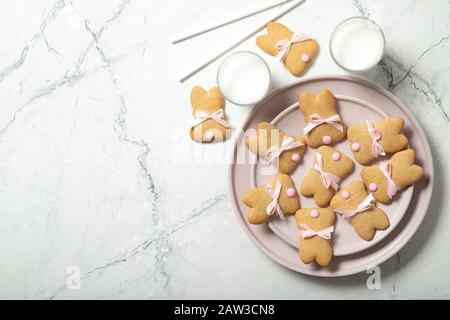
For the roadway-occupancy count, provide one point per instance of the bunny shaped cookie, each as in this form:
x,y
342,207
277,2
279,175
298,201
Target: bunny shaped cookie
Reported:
x,y
369,141
278,198
322,181
273,144
316,227
356,205
207,108
296,50
384,179
323,123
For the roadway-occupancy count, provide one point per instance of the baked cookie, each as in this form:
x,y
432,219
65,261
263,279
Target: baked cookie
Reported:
x,y
322,181
357,206
369,141
296,50
384,179
273,144
278,198
323,123
207,108
316,227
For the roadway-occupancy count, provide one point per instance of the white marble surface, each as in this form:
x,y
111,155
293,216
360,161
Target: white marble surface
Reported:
x,y
96,168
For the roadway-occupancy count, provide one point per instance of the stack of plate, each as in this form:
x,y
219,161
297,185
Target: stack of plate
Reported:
x,y
357,101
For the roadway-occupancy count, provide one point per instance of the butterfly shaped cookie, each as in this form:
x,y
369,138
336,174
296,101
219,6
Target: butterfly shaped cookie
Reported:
x,y
322,180
316,227
357,206
323,123
279,198
371,140
385,179
297,51
276,146
207,108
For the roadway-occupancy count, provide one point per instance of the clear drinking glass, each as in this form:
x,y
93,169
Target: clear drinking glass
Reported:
x,y
351,32
244,78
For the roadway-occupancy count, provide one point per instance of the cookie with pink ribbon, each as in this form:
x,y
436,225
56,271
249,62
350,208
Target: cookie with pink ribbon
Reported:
x,y
316,227
385,179
358,207
209,124
279,198
280,149
372,140
295,49
329,168
323,124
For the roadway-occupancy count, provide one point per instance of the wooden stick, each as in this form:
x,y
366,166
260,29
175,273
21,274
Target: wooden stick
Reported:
x,y
189,74
228,21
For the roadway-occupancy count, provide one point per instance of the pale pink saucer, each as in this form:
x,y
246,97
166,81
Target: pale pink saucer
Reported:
x,y
345,240
358,100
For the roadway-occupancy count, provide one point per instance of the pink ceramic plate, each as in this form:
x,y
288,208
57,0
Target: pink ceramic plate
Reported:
x,y
345,239
357,99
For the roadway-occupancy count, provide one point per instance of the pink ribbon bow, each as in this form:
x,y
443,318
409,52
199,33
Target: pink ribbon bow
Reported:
x,y
285,45
377,149
307,232
386,169
287,144
362,207
274,194
392,188
201,116
328,179
317,120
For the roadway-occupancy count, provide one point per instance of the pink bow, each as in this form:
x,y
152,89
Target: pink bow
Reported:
x,y
285,45
287,144
317,120
274,194
328,179
377,149
362,207
392,187
201,116
307,232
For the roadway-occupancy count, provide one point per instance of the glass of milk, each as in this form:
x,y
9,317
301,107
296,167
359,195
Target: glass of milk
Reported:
x,y
244,78
357,44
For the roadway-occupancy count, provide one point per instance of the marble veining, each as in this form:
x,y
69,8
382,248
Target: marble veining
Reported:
x,y
97,170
